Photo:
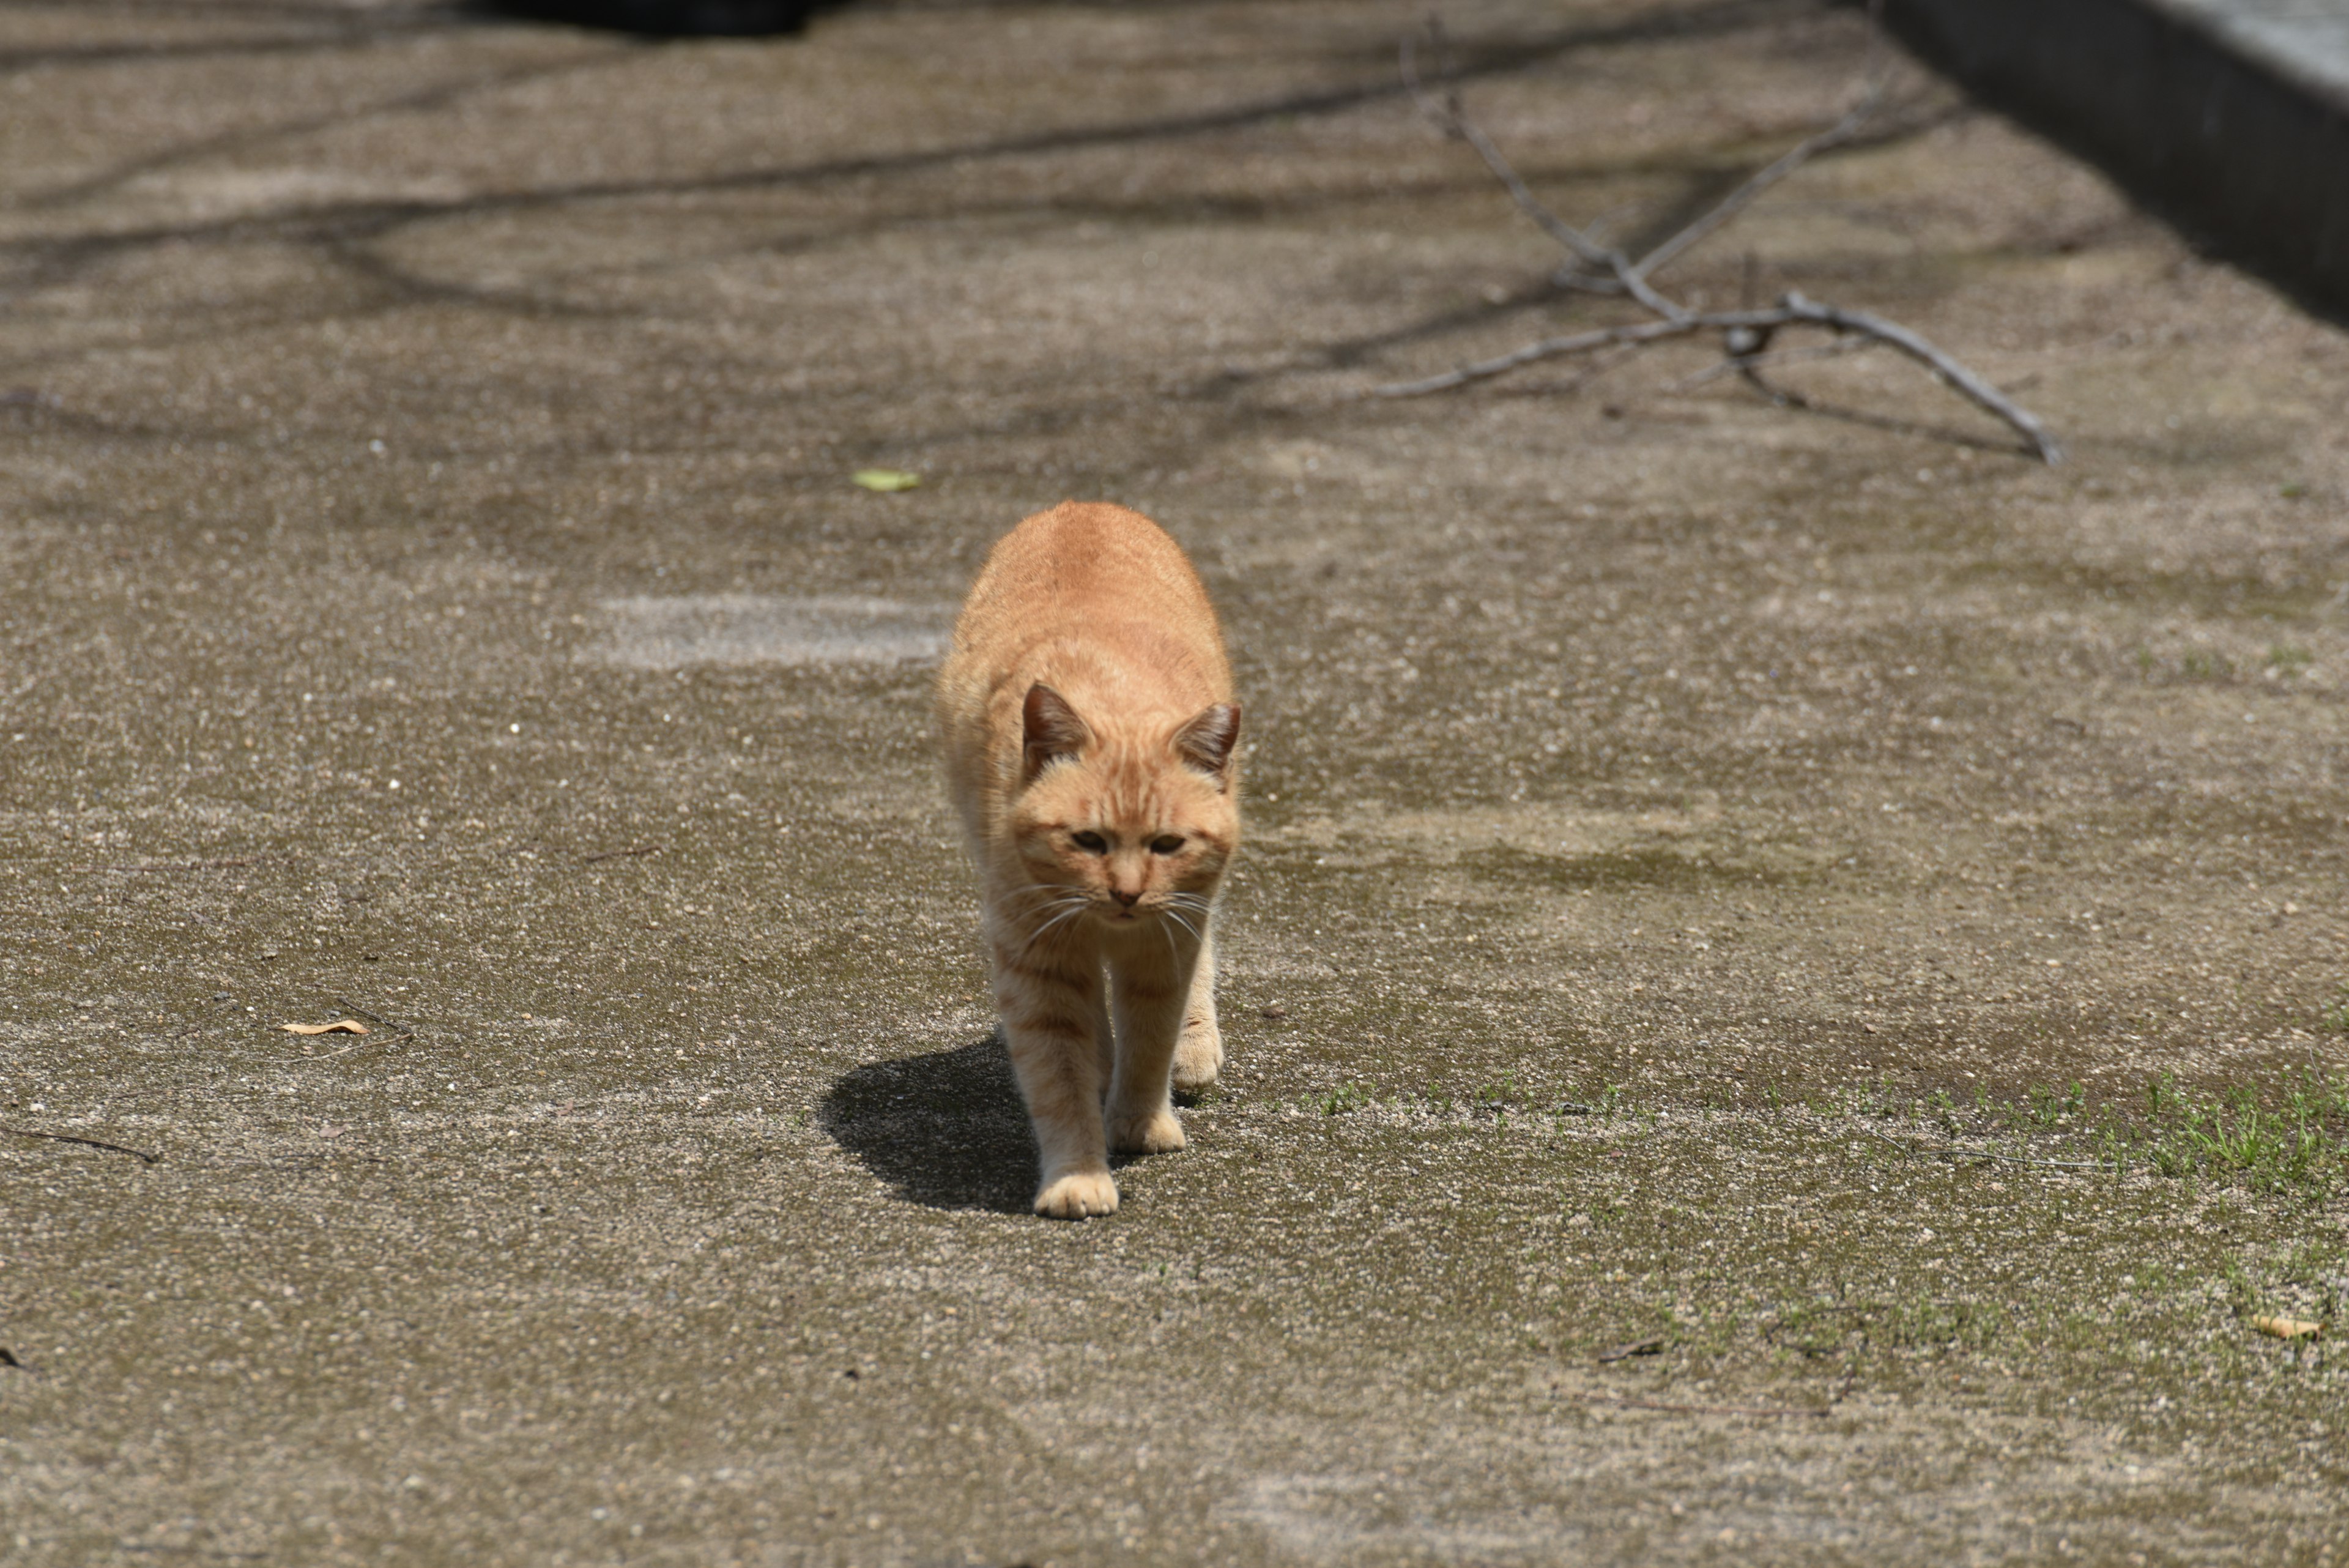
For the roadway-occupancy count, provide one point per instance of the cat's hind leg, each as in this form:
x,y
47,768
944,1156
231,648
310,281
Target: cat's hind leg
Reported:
x,y
1051,1009
1199,1051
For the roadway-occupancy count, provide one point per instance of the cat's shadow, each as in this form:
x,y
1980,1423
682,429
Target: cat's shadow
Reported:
x,y
946,1129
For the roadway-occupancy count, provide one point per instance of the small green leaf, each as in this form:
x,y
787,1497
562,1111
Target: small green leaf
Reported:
x,y
885,479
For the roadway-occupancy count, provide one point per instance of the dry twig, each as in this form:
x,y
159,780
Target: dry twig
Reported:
x,y
621,854
85,1142
1753,364
1745,334
352,1007
1985,1154
1691,1409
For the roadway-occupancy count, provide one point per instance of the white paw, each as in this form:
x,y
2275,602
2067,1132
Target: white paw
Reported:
x,y
1157,1133
1078,1196
1198,1056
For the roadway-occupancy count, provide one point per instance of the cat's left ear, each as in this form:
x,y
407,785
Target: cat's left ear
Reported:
x,y
1206,741
1050,730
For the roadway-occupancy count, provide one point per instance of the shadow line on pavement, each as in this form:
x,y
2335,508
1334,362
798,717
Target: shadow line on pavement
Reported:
x,y
56,255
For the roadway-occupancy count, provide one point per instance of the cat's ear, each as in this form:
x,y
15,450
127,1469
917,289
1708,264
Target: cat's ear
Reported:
x,y
1206,741
1049,728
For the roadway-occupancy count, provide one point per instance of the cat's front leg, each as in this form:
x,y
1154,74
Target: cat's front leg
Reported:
x,y
1150,986
1051,1009
1199,1051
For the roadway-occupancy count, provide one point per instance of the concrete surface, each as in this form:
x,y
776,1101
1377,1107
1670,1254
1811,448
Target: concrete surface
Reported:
x,y
431,592
2305,41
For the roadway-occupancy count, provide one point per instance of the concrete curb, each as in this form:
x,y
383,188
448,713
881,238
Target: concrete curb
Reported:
x,y
2230,118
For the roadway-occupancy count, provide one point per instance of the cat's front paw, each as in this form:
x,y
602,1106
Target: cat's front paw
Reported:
x,y
1078,1196
1157,1133
1199,1057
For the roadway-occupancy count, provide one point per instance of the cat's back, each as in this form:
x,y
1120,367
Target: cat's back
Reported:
x,y
1094,600
1084,564
1093,573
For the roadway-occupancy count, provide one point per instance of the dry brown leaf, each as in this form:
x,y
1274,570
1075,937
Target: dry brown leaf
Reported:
x,y
2289,1327
339,1026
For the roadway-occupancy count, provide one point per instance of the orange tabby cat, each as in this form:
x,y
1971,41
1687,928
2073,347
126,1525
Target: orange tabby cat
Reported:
x,y
1087,714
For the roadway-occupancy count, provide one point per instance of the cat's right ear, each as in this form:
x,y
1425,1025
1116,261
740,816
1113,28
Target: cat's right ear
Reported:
x,y
1049,728
1206,741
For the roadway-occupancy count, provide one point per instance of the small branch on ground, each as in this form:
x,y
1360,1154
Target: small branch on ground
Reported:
x,y
393,1024
1745,334
1621,1403
621,854
1751,365
85,1142
1985,1154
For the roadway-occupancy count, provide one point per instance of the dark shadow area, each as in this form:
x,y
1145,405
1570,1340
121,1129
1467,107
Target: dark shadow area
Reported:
x,y
2252,166
666,18
438,97
1948,435
947,1129
300,29
50,259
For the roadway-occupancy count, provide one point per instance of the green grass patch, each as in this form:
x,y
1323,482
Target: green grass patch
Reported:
x,y
2294,1140
2290,1137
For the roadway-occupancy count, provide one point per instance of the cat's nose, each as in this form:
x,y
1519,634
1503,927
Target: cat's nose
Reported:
x,y
1126,896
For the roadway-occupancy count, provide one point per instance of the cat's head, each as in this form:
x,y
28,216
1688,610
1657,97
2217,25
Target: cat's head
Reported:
x,y
1138,817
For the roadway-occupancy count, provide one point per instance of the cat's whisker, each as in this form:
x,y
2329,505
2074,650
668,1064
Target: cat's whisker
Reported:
x,y
1062,918
1051,914
1063,913
1049,892
1056,897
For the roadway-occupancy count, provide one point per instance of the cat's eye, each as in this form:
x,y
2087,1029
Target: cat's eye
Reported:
x,y
1167,846
1092,843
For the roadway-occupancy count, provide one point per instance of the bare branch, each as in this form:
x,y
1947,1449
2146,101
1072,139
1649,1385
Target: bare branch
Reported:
x,y
1745,364
1737,201
1954,375
1548,347
1746,333
1985,1154
1878,78
1452,119
85,1142
1794,310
